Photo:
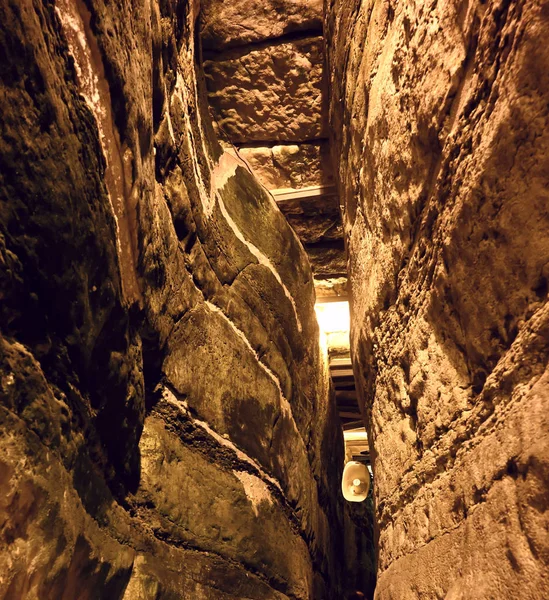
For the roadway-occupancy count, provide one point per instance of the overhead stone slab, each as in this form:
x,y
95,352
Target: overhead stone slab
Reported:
x,y
315,219
236,23
290,165
328,259
331,288
269,93
316,228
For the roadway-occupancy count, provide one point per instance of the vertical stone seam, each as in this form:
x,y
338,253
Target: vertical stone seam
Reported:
x,y
75,21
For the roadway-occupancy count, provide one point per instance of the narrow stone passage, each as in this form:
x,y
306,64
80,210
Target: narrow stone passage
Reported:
x,y
273,300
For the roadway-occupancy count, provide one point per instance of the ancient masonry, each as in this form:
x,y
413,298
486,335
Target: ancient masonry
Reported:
x,y
178,179
441,110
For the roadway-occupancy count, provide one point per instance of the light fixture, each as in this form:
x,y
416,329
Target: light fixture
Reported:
x,y
333,317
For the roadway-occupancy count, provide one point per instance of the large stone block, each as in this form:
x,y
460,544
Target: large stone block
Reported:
x,y
136,256
290,165
237,23
327,259
315,219
269,92
205,499
439,113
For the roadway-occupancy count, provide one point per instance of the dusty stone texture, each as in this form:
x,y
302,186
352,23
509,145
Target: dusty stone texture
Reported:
x,y
165,408
328,260
359,524
315,216
269,92
331,288
441,113
314,219
240,22
290,165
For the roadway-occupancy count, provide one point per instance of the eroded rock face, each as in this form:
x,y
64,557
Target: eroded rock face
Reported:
x,y
274,91
167,424
240,22
268,96
290,165
440,111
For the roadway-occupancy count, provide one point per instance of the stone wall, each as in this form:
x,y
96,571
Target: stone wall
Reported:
x,y
439,112
167,428
264,65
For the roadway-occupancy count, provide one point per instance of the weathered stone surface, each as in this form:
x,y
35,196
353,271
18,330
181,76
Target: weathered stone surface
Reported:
x,y
359,527
440,113
327,259
240,22
189,492
331,288
271,92
274,92
314,219
312,211
167,425
53,501
290,165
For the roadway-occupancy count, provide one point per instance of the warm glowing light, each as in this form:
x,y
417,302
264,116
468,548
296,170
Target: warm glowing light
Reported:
x,y
356,442
333,317
357,435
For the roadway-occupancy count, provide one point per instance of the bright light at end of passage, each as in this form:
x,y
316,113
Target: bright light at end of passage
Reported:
x,y
333,317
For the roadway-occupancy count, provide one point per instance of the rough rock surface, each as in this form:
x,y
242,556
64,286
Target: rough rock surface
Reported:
x,y
240,22
440,111
327,259
314,219
167,429
269,92
331,288
290,165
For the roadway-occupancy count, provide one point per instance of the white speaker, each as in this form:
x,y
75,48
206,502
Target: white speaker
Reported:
x,y
355,483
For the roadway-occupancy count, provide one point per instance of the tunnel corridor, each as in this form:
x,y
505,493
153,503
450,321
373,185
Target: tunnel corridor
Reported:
x,y
245,247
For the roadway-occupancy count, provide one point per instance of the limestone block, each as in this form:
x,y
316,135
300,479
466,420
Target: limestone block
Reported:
x,y
226,24
331,288
269,93
438,116
327,259
315,219
203,500
290,165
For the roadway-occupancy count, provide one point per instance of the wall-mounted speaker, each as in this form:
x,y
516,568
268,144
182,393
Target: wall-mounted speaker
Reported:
x,y
355,483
